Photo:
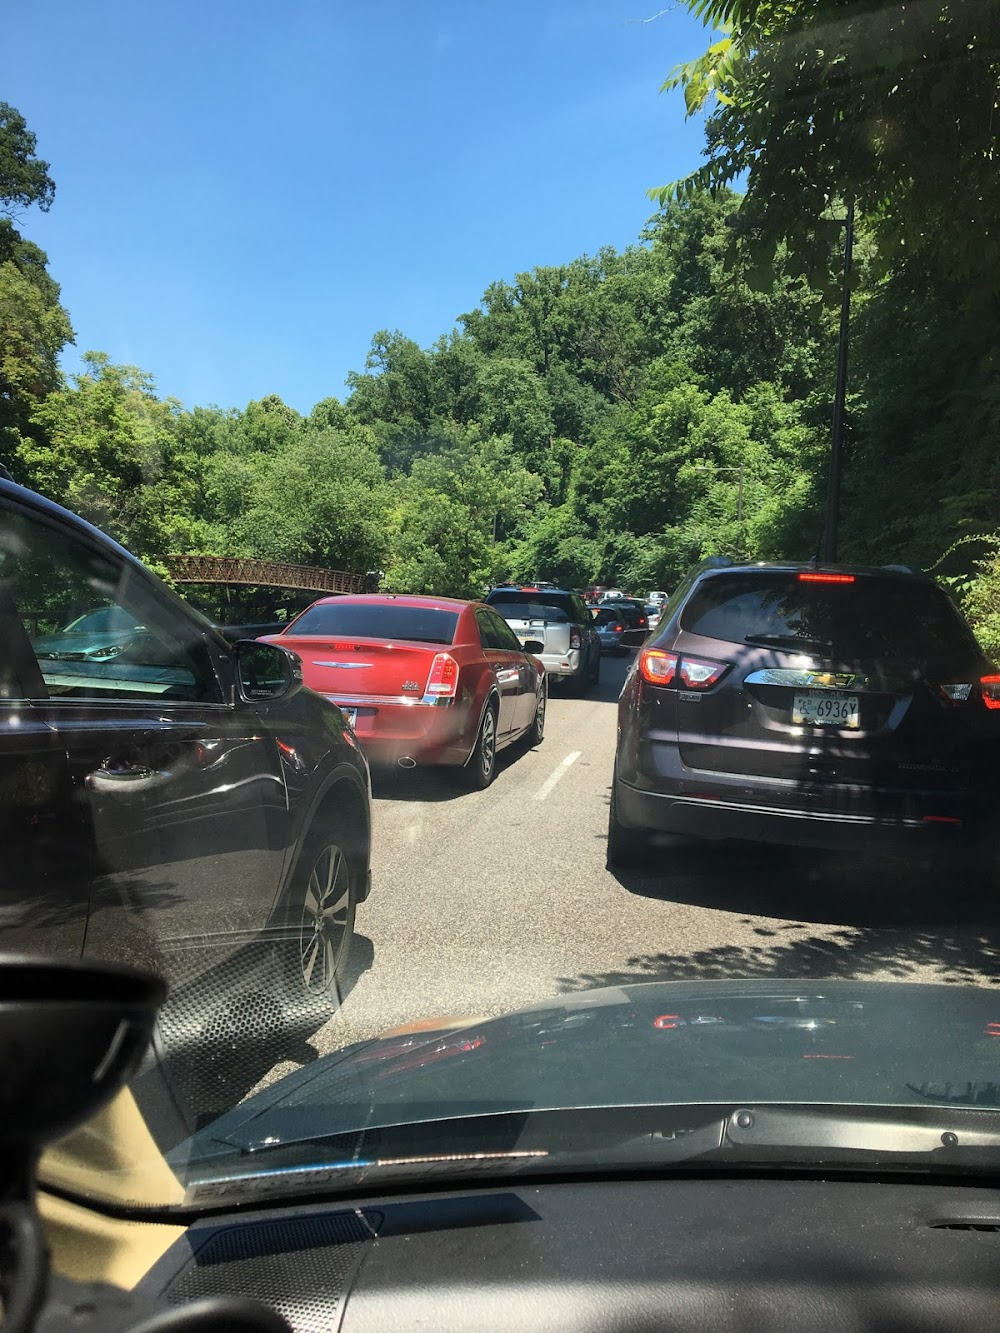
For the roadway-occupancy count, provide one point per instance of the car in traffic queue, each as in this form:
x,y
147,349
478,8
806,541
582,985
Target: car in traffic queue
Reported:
x,y
611,629
561,622
423,680
169,798
826,706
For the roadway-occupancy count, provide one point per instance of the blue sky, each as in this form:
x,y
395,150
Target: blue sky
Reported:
x,y
247,190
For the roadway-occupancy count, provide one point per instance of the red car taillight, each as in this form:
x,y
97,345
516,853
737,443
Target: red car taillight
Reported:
x,y
657,666
442,683
574,638
990,686
699,673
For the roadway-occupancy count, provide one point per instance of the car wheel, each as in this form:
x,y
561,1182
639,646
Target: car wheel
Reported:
x,y
627,847
536,732
325,905
480,770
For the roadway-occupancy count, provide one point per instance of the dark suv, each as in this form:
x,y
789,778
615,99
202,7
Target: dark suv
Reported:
x,y
167,799
825,706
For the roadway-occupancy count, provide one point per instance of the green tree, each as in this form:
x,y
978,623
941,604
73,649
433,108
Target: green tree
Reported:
x,y
892,105
113,452
34,327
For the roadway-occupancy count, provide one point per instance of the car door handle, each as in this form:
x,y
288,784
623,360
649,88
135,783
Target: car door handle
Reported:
x,y
127,782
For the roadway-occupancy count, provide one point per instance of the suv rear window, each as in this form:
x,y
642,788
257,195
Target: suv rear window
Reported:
x,y
420,624
606,616
532,606
871,618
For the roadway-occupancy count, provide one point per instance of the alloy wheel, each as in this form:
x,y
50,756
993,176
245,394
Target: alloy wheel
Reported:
x,y
488,746
325,917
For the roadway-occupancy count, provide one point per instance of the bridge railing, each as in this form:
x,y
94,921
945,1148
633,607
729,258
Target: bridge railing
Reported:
x,y
261,573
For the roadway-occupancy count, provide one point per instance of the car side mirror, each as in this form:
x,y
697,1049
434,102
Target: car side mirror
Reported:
x,y
266,672
533,646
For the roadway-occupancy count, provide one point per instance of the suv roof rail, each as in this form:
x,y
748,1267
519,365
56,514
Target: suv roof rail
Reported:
x,y
903,569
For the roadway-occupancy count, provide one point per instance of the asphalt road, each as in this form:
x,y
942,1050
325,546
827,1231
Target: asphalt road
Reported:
x,y
483,902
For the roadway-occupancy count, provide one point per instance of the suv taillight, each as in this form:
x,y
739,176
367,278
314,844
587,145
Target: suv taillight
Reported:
x,y
574,638
442,683
690,673
700,673
657,666
959,692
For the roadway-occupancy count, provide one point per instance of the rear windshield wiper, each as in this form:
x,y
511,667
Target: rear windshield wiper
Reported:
x,y
788,641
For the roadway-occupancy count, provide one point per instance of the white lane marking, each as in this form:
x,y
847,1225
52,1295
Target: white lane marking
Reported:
x,y
553,778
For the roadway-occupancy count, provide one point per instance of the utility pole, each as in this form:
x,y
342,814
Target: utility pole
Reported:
x,y
839,398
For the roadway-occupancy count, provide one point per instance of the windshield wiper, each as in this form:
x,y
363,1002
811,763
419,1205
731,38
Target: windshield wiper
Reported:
x,y
788,641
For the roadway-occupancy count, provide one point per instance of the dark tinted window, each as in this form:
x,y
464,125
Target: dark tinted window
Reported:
x,y
382,620
869,618
503,635
98,631
606,616
532,606
630,612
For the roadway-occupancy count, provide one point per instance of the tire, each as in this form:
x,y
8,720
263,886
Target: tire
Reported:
x,y
322,914
627,847
536,732
480,770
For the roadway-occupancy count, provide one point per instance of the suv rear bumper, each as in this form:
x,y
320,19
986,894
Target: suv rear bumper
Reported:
x,y
569,663
705,816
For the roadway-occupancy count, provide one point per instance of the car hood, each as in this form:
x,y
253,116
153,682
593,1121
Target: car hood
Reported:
x,y
81,644
684,1043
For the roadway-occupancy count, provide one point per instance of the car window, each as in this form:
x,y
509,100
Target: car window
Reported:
x,y
522,606
378,620
487,635
96,629
503,635
887,619
605,616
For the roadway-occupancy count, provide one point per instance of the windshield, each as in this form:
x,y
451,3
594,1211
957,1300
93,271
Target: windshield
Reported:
x,y
350,357
421,623
106,621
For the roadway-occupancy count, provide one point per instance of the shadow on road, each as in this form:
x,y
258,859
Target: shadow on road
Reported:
x,y
834,916
435,783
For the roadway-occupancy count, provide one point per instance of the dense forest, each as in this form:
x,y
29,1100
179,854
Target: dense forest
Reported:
x,y
596,421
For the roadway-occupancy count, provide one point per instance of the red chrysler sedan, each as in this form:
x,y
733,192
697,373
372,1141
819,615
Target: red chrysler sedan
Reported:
x,y
427,680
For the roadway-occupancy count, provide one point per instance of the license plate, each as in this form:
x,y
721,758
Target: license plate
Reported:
x,y
351,714
826,709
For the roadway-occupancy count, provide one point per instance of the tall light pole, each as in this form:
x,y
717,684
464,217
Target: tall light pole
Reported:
x,y
839,398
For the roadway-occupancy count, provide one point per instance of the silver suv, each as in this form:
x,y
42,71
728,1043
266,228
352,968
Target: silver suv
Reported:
x,y
562,622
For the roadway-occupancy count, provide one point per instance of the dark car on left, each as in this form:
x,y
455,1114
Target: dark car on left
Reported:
x,y
167,798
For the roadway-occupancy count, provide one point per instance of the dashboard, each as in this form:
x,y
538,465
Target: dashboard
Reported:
x,y
720,1253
